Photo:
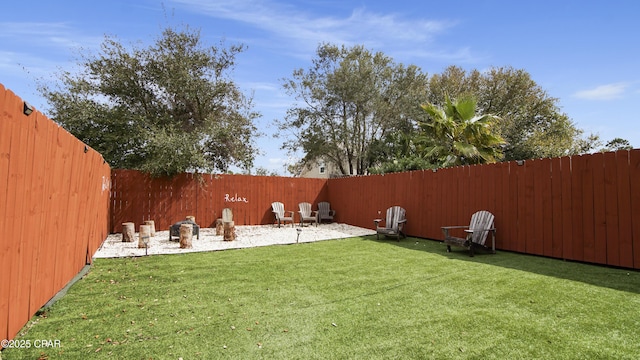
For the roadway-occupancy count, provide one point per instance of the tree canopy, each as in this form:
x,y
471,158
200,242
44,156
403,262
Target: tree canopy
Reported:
x,y
617,144
164,109
348,100
531,121
361,111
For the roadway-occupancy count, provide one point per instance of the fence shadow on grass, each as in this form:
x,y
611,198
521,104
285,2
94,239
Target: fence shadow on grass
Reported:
x,y
594,274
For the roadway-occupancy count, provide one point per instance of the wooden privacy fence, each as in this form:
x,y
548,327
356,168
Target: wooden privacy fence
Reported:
x,y
137,197
54,206
582,208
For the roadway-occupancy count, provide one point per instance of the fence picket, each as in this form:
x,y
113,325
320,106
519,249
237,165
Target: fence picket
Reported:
x,y
634,175
588,227
625,227
611,208
599,215
556,205
545,181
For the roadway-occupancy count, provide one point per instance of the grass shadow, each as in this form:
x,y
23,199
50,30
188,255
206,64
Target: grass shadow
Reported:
x,y
599,275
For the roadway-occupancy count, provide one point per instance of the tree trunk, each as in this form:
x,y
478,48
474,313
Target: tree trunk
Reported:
x,y
128,231
152,226
229,231
186,234
219,227
144,236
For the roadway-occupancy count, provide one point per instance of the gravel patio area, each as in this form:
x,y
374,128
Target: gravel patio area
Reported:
x,y
246,236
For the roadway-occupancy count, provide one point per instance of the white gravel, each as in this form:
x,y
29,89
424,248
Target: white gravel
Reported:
x,y
246,236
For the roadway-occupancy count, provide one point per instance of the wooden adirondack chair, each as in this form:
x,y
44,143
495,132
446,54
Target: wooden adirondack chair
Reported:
x,y
325,212
306,214
393,224
279,212
227,216
481,224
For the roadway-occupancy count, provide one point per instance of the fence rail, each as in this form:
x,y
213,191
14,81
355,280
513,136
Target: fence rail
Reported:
x,y
54,205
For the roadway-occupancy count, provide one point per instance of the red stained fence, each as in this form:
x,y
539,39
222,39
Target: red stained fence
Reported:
x,y
137,197
54,205
582,208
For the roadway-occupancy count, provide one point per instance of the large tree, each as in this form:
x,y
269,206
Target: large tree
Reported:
x,y
164,109
347,100
532,124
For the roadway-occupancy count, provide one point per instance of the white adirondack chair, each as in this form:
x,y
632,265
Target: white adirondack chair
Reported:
x,y
279,212
306,214
480,226
393,224
325,212
227,215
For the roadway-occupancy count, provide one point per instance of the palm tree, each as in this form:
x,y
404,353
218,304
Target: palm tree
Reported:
x,y
455,135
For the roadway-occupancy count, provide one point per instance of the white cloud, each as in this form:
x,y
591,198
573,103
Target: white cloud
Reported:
x,y
603,92
301,31
278,161
37,50
460,55
31,29
53,34
265,86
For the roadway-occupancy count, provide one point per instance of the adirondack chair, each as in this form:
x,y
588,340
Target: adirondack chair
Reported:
x,y
279,212
481,224
227,215
393,224
325,212
306,215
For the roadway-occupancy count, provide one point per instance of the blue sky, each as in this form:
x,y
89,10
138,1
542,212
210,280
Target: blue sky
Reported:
x,y
585,53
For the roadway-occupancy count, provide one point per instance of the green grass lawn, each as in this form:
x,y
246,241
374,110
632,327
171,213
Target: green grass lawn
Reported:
x,y
345,299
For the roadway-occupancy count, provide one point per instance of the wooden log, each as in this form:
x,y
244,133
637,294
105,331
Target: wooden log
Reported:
x,y
229,231
144,236
152,226
219,227
191,217
128,232
186,234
